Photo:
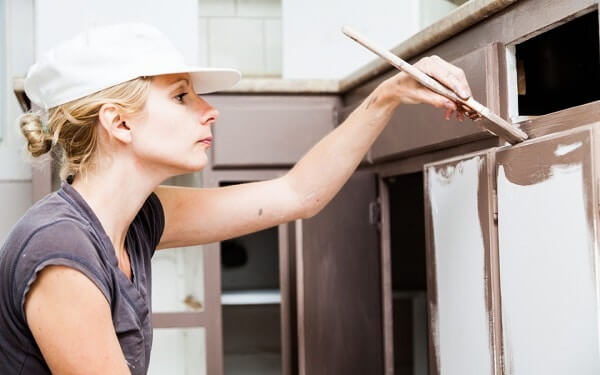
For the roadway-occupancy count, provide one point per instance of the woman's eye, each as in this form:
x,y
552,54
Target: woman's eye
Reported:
x,y
180,97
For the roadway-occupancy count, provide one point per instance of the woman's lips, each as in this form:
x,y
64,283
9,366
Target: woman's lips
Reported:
x,y
207,141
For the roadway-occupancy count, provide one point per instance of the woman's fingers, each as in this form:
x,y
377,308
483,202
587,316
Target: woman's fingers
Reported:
x,y
449,75
448,114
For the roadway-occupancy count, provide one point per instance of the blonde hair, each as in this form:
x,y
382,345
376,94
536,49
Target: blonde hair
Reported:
x,y
71,128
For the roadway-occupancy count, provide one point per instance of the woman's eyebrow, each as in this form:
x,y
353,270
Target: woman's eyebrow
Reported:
x,y
180,82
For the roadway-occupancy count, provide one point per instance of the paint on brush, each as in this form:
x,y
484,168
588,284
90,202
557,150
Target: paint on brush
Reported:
x,y
461,326
547,259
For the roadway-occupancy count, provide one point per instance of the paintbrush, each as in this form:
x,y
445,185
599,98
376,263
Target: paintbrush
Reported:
x,y
472,108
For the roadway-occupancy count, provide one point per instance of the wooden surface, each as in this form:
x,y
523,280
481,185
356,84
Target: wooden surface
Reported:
x,y
212,262
471,108
259,131
339,296
418,128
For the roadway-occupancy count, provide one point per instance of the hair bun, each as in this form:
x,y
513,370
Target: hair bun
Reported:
x,y
38,142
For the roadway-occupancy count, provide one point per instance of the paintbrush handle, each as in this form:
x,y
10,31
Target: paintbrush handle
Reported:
x,y
396,61
497,125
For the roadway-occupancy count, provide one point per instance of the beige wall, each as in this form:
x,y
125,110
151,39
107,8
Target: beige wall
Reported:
x,y
16,46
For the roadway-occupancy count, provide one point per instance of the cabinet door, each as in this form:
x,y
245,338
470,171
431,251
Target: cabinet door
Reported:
x,y
547,225
461,266
339,285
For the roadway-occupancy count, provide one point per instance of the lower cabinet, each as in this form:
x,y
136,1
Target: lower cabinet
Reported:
x,y
484,263
303,297
339,285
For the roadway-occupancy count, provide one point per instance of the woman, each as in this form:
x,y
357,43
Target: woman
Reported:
x,y
123,111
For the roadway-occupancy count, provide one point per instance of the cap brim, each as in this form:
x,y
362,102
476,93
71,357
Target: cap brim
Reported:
x,y
207,80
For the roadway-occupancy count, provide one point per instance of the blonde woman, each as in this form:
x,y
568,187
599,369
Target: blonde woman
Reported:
x,y
124,114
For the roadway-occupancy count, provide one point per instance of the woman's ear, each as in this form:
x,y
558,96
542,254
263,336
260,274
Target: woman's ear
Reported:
x,y
114,123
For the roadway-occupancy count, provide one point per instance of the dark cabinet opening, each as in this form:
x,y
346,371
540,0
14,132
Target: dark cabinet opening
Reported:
x,y
251,303
560,68
408,273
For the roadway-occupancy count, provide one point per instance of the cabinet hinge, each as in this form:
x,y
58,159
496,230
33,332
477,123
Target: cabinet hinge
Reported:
x,y
375,213
495,205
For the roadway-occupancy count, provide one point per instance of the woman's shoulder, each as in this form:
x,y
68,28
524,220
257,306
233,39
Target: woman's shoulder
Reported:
x,y
51,229
49,220
51,232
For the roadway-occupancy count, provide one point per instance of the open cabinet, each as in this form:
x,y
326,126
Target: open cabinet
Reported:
x,y
303,297
404,281
251,304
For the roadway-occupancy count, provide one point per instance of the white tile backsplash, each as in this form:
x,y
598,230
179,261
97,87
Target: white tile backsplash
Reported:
x,y
203,41
259,8
242,34
216,8
273,50
237,43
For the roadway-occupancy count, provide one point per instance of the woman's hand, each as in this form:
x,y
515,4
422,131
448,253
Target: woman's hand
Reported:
x,y
402,89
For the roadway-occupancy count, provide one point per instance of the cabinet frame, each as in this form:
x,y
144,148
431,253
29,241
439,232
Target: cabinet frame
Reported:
x,y
213,308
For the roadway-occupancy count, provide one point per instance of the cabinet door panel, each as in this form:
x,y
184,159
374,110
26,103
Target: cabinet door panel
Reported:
x,y
339,285
461,266
548,255
423,127
269,130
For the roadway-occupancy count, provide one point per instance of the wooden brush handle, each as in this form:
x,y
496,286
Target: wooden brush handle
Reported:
x,y
500,126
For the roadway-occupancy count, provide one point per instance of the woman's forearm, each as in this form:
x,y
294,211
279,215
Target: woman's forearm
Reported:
x,y
325,168
322,172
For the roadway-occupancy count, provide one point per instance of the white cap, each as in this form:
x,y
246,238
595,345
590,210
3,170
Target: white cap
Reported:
x,y
106,56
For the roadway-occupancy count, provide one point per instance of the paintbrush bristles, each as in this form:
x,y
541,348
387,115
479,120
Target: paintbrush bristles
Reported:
x,y
510,132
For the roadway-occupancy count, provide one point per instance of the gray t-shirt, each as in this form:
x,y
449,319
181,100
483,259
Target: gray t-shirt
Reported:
x,y
62,229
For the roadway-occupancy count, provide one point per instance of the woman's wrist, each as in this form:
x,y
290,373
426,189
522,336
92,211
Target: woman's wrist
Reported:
x,y
388,95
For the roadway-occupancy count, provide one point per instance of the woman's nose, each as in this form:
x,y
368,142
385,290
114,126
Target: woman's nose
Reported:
x,y
209,114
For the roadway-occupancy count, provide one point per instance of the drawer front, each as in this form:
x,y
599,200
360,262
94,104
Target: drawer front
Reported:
x,y
416,128
259,131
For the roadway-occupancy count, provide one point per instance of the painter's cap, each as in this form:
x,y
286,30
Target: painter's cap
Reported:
x,y
105,56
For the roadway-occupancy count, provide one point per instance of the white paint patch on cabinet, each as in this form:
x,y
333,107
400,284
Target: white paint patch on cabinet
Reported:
x,y
562,150
547,278
462,328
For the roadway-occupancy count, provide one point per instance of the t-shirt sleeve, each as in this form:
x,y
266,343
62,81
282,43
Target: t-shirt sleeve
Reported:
x,y
63,243
151,218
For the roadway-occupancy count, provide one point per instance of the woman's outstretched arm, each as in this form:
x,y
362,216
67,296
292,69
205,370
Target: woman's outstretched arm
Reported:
x,y
197,216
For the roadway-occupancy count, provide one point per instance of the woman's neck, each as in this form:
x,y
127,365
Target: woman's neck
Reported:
x,y
116,194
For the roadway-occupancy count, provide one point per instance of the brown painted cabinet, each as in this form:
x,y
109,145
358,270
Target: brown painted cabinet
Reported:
x,y
269,131
339,285
291,293
419,128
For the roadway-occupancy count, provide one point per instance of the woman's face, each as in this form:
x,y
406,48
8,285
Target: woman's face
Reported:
x,y
173,131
